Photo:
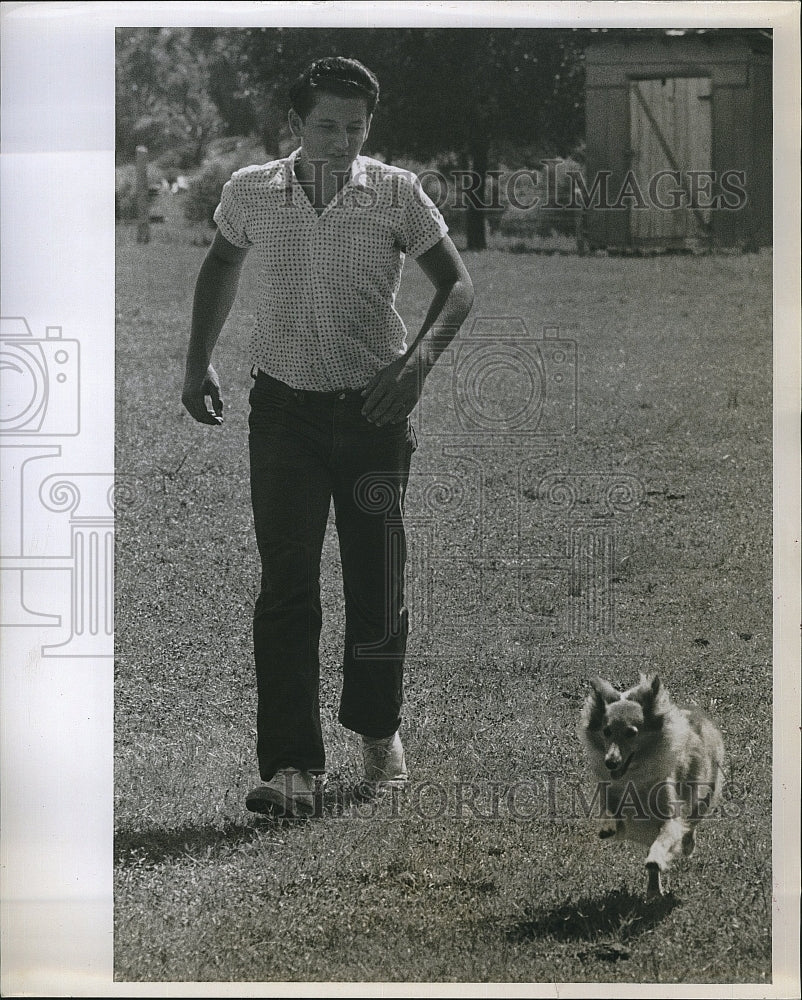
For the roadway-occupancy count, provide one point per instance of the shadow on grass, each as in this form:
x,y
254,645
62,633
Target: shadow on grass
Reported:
x,y
135,847
154,846
619,914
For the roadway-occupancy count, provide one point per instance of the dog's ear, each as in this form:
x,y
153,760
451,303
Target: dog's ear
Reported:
x,y
605,690
654,699
596,702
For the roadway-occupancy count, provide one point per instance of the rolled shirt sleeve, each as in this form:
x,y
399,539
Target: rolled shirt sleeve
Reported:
x,y
229,216
422,224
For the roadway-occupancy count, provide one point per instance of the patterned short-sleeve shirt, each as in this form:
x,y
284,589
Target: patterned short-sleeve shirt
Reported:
x,y
326,316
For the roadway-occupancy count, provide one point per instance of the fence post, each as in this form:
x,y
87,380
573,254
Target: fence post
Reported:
x,y
142,196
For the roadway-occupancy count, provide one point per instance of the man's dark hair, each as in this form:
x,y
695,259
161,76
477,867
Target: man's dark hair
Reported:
x,y
334,75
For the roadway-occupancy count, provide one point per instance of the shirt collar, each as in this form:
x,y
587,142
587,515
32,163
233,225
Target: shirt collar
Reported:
x,y
358,176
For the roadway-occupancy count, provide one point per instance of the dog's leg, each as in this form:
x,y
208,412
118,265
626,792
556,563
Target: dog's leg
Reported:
x,y
654,887
610,828
668,846
689,841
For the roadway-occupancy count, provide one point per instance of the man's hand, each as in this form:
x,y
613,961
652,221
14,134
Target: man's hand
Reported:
x,y
215,291
194,399
392,394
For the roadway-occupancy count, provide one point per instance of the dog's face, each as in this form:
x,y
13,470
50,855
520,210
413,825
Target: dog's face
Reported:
x,y
622,726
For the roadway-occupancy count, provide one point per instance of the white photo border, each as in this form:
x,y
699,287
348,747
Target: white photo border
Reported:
x,y
57,165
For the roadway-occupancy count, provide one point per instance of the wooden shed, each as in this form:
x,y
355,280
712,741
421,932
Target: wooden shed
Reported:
x,y
679,140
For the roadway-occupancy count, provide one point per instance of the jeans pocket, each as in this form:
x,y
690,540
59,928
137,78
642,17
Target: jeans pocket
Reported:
x,y
268,408
269,395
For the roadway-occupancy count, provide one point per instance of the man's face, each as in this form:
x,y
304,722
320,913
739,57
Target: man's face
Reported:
x,y
333,131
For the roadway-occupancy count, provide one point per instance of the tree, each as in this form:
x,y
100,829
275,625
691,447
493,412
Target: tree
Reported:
x,y
466,96
228,84
162,94
472,93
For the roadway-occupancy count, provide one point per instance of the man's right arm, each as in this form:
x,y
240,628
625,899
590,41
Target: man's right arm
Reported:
x,y
215,291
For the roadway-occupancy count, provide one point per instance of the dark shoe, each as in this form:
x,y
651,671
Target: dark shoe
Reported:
x,y
289,793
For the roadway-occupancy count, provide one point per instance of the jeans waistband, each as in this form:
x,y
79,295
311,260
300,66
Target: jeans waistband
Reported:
x,y
262,378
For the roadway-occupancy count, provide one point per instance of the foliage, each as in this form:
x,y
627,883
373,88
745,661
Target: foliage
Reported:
x,y
205,186
443,90
176,162
478,95
125,205
520,202
162,94
227,80
472,92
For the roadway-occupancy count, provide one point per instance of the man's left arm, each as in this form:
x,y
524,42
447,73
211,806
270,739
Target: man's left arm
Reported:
x,y
393,393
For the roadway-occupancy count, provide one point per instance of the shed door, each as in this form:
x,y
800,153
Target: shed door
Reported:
x,y
670,129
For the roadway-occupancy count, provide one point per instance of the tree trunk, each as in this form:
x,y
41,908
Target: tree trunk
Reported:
x,y
475,214
270,132
142,196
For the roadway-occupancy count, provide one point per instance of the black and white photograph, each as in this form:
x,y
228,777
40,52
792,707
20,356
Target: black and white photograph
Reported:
x,y
400,536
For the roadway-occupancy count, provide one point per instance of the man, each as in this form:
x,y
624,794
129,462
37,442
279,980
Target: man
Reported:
x,y
334,384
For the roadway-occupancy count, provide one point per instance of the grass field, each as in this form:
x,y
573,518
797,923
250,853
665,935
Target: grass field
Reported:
x,y
673,404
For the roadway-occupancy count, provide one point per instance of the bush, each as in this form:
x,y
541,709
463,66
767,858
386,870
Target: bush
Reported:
x,y
204,188
561,219
538,219
503,219
125,209
437,180
177,161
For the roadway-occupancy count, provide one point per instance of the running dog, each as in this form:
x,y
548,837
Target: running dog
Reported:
x,y
660,768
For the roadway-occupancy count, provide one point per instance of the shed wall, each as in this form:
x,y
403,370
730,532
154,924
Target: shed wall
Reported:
x,y
741,131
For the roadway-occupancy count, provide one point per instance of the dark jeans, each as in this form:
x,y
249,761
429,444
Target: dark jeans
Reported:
x,y
305,449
